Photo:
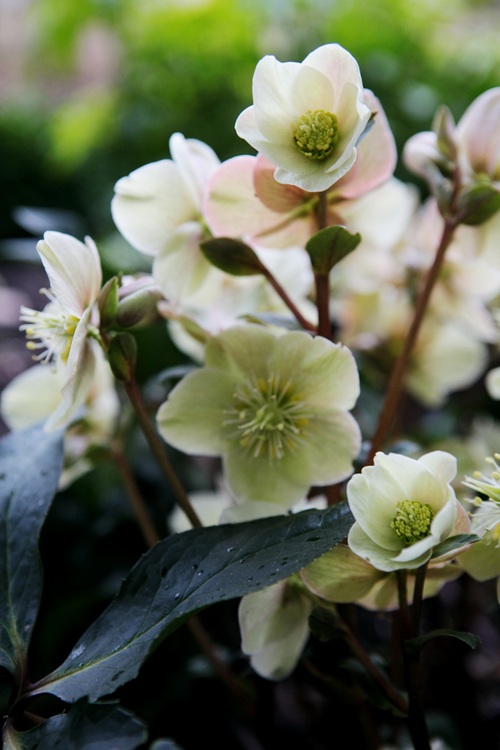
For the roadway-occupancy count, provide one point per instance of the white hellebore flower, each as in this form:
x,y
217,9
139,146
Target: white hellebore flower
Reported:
x,y
274,407
157,208
307,117
403,508
61,329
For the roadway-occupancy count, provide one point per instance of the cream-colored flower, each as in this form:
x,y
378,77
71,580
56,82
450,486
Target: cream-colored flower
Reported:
x,y
307,117
275,407
61,330
403,509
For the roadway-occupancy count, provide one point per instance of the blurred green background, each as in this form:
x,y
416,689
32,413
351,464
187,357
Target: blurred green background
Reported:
x,y
91,89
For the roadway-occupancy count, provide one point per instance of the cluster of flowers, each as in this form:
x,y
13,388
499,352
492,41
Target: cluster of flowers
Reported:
x,y
275,403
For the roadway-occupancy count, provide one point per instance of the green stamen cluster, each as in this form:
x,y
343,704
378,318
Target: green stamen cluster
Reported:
x,y
316,134
412,521
267,417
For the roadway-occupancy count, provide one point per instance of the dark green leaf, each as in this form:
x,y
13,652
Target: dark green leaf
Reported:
x,y
85,727
231,256
370,688
454,542
329,246
478,203
30,466
324,624
414,645
182,575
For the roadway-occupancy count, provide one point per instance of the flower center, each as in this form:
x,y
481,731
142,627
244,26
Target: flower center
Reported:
x,y
266,417
412,521
316,134
52,328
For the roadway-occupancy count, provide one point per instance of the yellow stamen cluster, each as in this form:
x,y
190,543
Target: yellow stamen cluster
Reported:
x,y
412,521
51,331
316,134
267,417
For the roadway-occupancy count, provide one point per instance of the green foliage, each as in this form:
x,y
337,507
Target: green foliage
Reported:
x,y
179,577
30,466
231,256
414,645
105,726
454,542
329,246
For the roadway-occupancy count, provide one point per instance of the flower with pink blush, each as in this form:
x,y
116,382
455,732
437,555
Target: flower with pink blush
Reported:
x,y
245,200
308,117
478,135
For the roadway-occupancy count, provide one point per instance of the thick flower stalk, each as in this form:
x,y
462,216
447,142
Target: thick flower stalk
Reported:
x,y
61,331
403,509
307,117
275,407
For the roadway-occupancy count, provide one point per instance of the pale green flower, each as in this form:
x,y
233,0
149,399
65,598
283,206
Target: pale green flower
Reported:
x,y
403,509
274,407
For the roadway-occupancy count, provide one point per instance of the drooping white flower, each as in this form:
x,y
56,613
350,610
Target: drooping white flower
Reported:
x,y
61,330
307,117
403,509
157,208
274,407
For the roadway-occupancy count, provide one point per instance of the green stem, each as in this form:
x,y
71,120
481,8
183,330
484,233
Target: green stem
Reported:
x,y
418,592
158,451
323,282
416,715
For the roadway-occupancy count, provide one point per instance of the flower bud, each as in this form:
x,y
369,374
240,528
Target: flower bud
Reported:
x,y
137,303
122,355
107,303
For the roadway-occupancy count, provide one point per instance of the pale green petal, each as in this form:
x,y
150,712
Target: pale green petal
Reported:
x,y
416,550
241,349
384,595
443,465
250,512
375,515
191,419
258,479
381,558
80,370
444,520
481,561
330,444
278,660
340,575
31,396
323,373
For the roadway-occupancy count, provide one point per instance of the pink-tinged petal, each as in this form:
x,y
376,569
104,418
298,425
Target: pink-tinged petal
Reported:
x,y
74,270
336,63
479,133
196,162
231,207
377,155
150,203
277,197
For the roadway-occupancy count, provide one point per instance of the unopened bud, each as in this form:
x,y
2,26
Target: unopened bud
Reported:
x,y
444,127
137,303
107,302
122,355
477,203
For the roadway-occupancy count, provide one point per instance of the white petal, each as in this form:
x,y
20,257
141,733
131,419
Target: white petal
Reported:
x,y
31,396
338,65
196,162
180,268
380,558
74,270
443,465
150,203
